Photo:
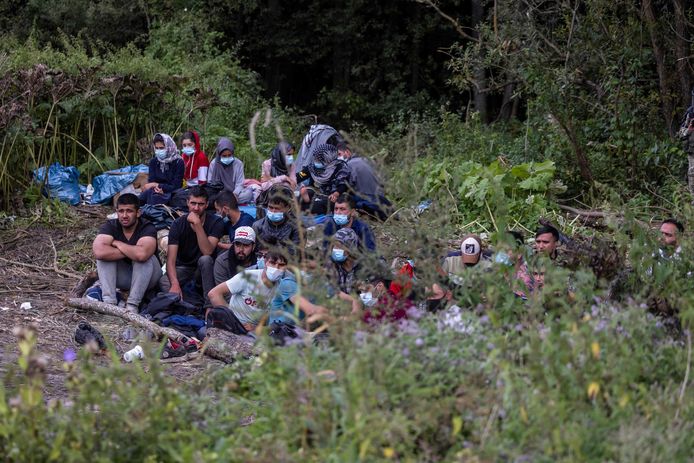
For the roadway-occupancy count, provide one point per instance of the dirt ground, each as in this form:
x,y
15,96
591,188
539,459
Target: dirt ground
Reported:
x,y
41,263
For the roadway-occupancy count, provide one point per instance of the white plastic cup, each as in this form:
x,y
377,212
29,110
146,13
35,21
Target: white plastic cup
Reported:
x,y
134,353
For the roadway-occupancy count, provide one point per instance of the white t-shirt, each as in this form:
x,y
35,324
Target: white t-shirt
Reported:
x,y
249,296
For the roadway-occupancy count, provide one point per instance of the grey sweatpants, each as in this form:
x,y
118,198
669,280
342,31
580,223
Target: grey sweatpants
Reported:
x,y
204,272
134,277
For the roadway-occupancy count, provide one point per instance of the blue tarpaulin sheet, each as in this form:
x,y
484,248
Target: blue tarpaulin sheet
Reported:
x,y
62,182
108,184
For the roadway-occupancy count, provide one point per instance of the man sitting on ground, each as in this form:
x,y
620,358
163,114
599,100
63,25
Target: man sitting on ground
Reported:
x,y
670,232
345,216
546,241
250,291
367,186
470,255
346,268
227,207
279,224
241,256
124,249
193,239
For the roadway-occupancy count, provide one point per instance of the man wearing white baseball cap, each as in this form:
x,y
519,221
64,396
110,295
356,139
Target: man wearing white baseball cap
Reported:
x,y
240,256
469,256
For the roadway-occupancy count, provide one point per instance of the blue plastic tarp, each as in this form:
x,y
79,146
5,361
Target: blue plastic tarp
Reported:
x,y
62,182
108,184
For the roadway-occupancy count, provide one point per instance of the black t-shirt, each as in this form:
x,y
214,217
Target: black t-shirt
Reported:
x,y
182,234
115,229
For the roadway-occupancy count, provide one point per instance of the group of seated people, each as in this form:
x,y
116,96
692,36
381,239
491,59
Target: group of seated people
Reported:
x,y
333,169
257,276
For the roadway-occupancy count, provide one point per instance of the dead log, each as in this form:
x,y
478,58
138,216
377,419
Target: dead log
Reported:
x,y
218,344
84,284
223,345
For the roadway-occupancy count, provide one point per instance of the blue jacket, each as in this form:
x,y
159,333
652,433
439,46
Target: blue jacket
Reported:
x,y
362,229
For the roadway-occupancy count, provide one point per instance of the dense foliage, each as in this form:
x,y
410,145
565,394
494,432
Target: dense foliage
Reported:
x,y
550,379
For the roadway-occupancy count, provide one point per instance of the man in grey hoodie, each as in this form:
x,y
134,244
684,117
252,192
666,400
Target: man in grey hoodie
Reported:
x,y
226,168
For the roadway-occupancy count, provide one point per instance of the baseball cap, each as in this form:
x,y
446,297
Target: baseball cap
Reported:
x,y
471,249
244,235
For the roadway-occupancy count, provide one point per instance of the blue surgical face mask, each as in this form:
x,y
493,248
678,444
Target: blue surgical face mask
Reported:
x,y
502,258
338,255
342,158
160,154
226,161
319,165
341,219
188,150
260,263
289,159
275,216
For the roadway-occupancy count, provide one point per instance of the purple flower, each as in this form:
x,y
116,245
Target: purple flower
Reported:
x,y
69,355
419,342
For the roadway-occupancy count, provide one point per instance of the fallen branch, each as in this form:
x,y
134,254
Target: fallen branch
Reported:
x,y
586,213
218,344
39,267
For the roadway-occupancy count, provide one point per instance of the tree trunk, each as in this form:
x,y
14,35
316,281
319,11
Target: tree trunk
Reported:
x,y
479,91
682,52
218,344
581,158
659,55
507,103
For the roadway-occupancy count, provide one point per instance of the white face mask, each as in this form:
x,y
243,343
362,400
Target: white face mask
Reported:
x,y
367,299
273,273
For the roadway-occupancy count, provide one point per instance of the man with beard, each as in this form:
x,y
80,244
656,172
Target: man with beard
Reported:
x,y
124,249
192,241
241,256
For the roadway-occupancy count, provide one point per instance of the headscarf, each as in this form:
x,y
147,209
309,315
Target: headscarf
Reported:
x,y
172,153
327,155
224,144
278,159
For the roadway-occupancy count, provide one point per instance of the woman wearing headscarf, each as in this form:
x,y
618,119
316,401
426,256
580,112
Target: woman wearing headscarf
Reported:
x,y
327,174
280,164
196,163
165,171
226,168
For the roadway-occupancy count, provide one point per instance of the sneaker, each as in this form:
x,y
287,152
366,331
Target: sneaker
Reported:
x,y
179,349
94,293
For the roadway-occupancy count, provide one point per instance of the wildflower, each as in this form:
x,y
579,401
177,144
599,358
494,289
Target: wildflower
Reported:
x,y
388,452
69,355
595,349
593,390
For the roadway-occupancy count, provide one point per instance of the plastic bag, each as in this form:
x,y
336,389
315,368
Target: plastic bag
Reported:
x,y
110,183
62,182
